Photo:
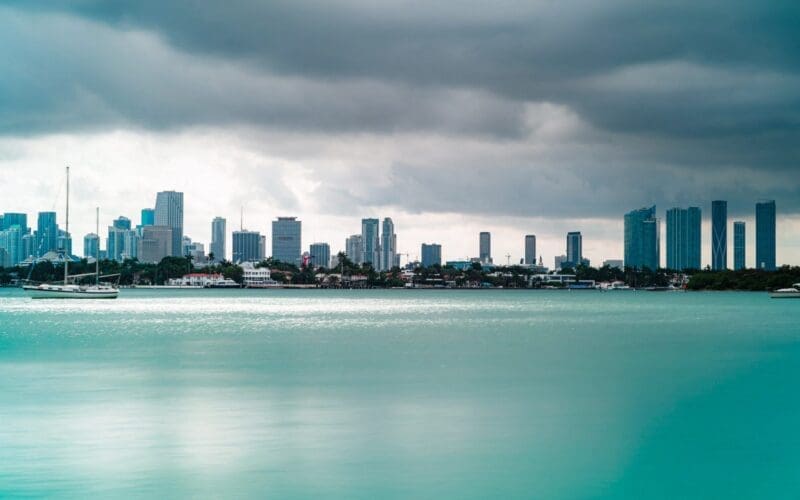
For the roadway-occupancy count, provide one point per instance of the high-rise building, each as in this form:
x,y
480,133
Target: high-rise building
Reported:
x,y
122,222
388,245
642,239
14,219
683,238
262,247
719,235
765,235
574,248
148,217
530,249
91,245
431,255
559,261
169,213
485,247
319,255
246,246
218,233
370,241
286,242
354,249
11,245
29,246
46,233
155,244
739,242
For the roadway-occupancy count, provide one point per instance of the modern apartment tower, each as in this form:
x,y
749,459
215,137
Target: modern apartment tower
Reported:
x,y
246,246
10,219
765,235
388,245
46,233
218,232
530,249
91,246
370,242
719,235
148,217
354,249
320,254
431,255
11,246
286,233
684,238
169,213
642,239
739,245
485,247
574,248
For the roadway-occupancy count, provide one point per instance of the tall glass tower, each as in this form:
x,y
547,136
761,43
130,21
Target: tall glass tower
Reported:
x,y
719,235
574,248
530,249
286,232
218,234
683,238
388,245
765,235
485,247
169,213
739,245
370,240
46,233
642,239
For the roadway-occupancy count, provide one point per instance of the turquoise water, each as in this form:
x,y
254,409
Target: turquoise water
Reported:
x,y
400,394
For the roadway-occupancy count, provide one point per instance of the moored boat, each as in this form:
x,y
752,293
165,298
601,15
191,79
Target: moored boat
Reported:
x,y
787,293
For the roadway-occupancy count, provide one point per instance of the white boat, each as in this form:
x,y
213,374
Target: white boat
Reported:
x,y
787,293
73,291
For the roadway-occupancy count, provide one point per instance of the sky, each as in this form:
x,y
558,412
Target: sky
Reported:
x,y
515,117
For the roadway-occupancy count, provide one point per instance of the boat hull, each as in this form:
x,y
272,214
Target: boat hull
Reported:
x,y
786,295
56,293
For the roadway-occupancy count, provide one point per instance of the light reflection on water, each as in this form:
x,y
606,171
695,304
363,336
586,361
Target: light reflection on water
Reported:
x,y
397,394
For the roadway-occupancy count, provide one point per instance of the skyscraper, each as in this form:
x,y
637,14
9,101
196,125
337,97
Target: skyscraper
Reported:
x,y
15,219
530,249
286,244
683,238
91,245
719,235
431,255
388,245
155,244
218,232
485,247
11,245
739,245
169,213
370,242
574,248
122,242
642,239
46,233
148,217
320,254
246,246
354,249
765,235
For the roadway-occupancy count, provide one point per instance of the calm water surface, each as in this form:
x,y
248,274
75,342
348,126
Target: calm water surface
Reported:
x,y
397,394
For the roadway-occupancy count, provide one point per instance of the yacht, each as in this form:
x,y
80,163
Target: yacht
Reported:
x,y
787,293
73,291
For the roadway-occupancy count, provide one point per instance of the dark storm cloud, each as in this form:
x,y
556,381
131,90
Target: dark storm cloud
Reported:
x,y
701,91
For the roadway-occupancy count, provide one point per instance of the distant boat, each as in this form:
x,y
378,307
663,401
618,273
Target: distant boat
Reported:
x,y
73,291
787,293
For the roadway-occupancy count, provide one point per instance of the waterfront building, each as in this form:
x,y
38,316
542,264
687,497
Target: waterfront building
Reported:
x,y
485,247
719,235
155,244
148,217
10,219
388,246
354,249
286,242
739,244
91,245
530,249
684,238
320,254
11,246
46,233
218,232
431,255
574,248
642,239
370,242
169,213
257,277
246,246
765,235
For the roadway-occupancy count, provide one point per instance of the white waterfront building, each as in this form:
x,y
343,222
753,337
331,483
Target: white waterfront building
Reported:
x,y
257,277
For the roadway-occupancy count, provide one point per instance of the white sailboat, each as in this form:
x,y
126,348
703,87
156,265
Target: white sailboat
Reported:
x,y
73,291
787,293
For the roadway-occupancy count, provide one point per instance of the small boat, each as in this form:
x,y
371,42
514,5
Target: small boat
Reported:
x,y
787,293
73,291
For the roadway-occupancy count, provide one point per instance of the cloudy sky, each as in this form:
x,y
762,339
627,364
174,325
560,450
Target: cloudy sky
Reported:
x,y
511,116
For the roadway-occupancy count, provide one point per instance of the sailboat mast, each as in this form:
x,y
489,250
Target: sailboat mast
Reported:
x,y
66,236
97,254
